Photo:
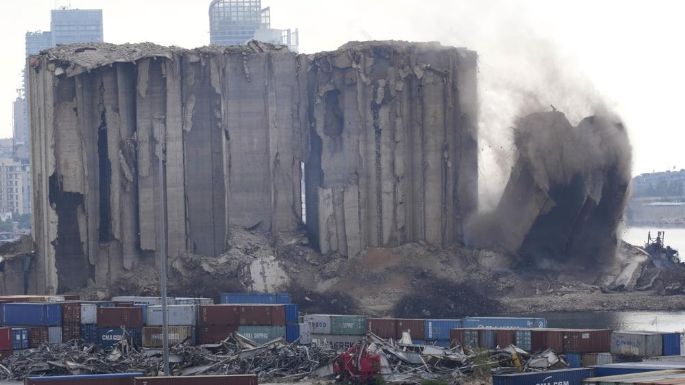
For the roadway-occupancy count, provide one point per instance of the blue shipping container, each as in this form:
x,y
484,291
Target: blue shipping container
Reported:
x,y
564,376
439,329
504,322
31,314
671,344
256,298
291,313
573,360
20,338
108,337
292,332
635,367
83,377
89,333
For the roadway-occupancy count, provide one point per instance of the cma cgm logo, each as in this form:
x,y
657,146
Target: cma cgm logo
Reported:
x,y
548,381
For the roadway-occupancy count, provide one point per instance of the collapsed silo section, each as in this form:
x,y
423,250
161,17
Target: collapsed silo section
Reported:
x,y
392,146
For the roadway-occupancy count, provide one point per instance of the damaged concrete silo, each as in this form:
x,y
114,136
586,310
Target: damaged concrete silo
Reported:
x,y
565,197
393,145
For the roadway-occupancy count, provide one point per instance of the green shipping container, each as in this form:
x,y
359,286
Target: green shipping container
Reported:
x,y
348,325
262,334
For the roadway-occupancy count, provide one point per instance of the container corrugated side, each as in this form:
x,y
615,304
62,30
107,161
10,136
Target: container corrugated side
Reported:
x,y
138,299
305,334
659,377
89,313
20,338
504,322
71,331
639,344
256,298
211,334
235,379
522,339
587,341
292,332
682,344
439,329
31,314
86,379
337,342
89,333
55,335
574,360
177,315
108,337
383,327
415,327
348,325
635,367
318,323
591,359
5,339
291,313
564,376
38,335
152,336
670,344
262,334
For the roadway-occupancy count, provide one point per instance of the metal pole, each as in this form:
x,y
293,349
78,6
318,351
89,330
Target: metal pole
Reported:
x,y
163,256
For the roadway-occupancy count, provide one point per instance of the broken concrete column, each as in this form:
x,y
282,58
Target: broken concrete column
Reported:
x,y
393,147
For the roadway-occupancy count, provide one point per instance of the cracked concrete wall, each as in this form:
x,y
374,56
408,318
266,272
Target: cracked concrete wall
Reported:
x,y
386,130
393,145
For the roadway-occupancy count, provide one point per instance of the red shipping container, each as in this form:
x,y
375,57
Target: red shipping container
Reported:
x,y
382,327
262,315
71,312
65,380
219,315
457,337
415,326
238,379
587,341
214,333
543,339
71,331
6,339
38,335
114,317
505,337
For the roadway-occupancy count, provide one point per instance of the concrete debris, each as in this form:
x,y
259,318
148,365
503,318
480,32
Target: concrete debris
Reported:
x,y
382,133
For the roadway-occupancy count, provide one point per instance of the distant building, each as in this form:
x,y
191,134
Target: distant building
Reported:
x,y
69,26
20,128
38,41
15,189
235,22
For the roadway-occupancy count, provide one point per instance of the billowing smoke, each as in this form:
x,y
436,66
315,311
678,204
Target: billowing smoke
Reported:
x,y
566,193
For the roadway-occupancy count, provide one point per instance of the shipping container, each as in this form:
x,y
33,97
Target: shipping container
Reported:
x,y
670,344
305,334
212,334
20,339
335,341
55,335
523,339
682,344
108,337
292,332
85,379
89,333
89,313
467,338
587,341
641,344
114,317
262,315
635,367
504,322
255,298
640,378
71,331
439,329
506,337
210,315
236,379
31,314
318,323
132,299
543,339
415,327
383,327
191,301
6,340
152,336
563,376
71,312
487,338
574,360
348,325
38,335
291,313
177,315
261,334
592,359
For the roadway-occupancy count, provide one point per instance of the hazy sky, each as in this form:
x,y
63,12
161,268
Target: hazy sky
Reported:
x,y
575,54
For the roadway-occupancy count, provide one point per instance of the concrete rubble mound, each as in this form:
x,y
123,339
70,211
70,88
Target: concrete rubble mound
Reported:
x,y
380,136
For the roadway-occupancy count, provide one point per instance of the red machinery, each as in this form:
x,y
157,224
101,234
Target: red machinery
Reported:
x,y
357,365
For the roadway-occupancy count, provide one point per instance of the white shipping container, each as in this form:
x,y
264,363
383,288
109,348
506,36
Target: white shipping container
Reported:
x,y
138,299
89,313
192,301
640,344
318,323
55,335
152,336
177,315
305,334
337,342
